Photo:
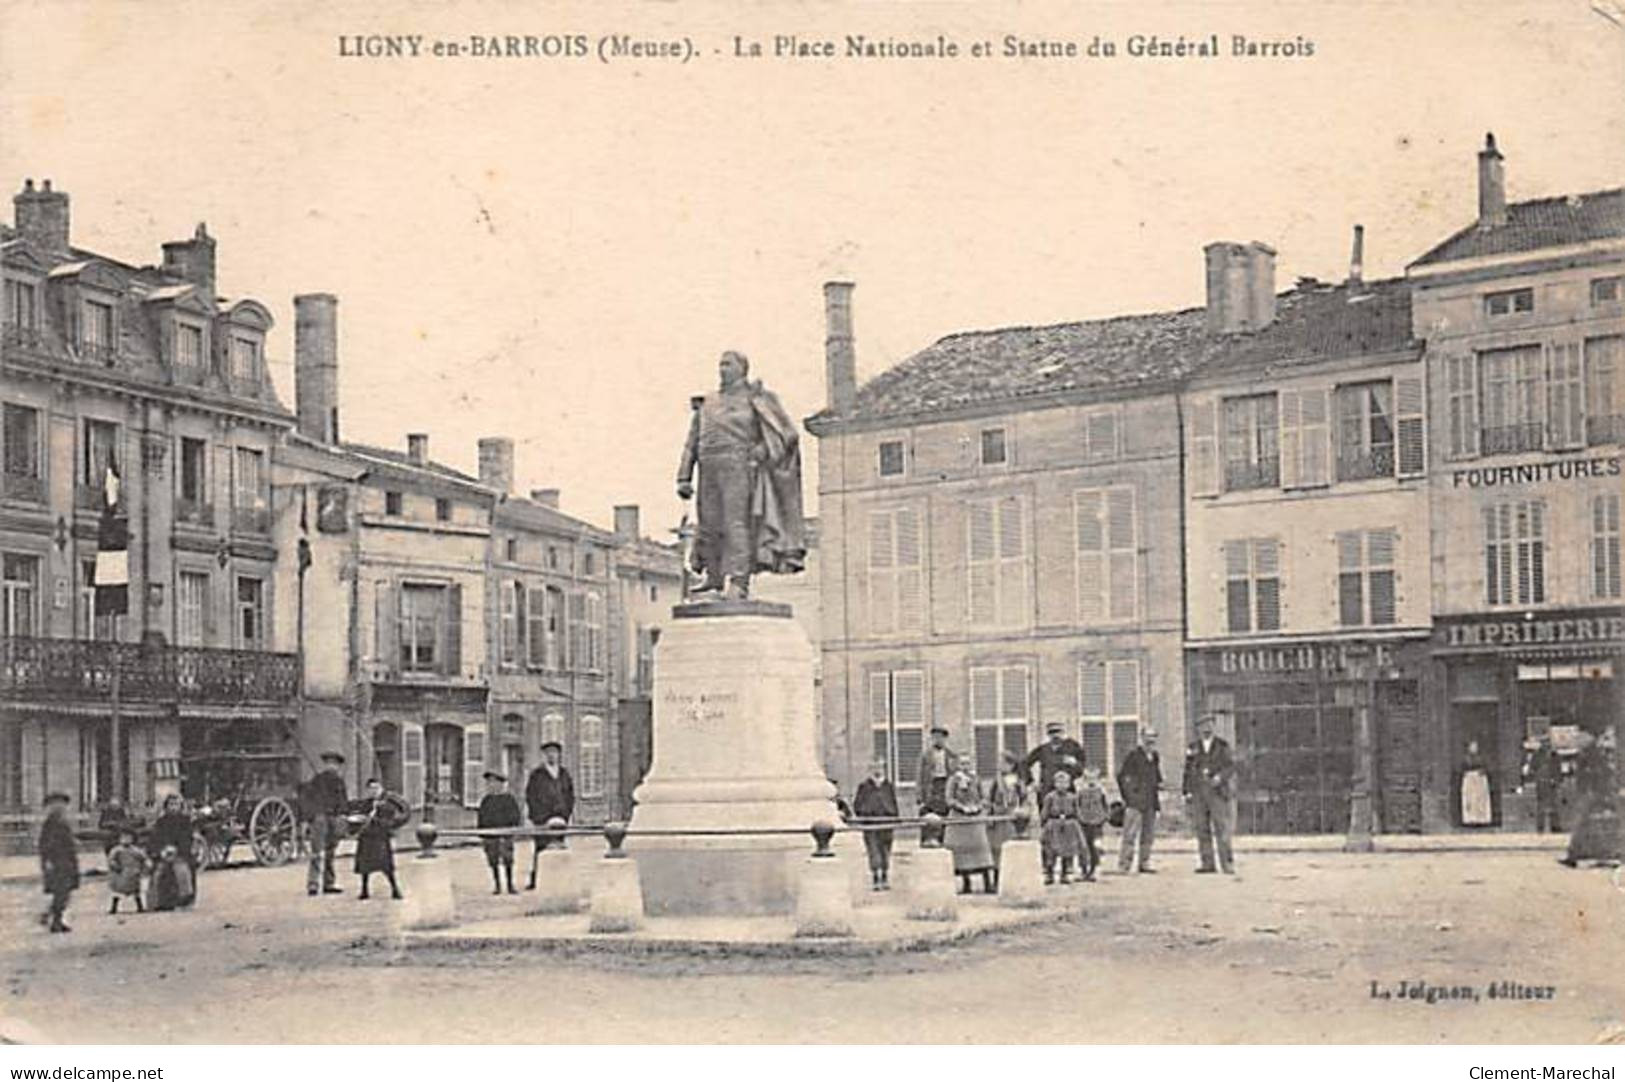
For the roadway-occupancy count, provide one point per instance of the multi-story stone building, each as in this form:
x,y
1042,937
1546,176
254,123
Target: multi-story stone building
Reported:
x,y
1000,541
144,375
1306,539
1524,315
649,581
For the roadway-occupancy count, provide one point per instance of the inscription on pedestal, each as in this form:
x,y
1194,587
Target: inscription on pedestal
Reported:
x,y
699,710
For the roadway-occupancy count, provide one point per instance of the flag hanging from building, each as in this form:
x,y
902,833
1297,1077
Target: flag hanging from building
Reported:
x,y
112,573
304,530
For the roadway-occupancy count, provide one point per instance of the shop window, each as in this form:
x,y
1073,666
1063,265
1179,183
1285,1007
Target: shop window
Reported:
x,y
1253,585
997,563
897,721
1605,584
443,763
1515,553
1365,578
999,710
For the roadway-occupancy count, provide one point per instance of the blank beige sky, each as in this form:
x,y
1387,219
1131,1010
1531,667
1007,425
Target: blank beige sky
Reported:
x,y
557,250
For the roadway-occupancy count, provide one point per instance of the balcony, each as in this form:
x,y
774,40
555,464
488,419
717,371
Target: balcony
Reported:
x,y
250,520
1245,475
1353,465
16,336
1511,439
194,513
15,486
77,669
1608,428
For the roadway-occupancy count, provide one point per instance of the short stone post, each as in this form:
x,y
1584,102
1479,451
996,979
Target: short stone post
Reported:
x,y
558,879
824,898
617,895
1020,883
429,901
931,876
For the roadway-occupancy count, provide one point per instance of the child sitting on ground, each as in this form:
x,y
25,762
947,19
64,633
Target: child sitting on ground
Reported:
x,y
126,864
1062,835
1092,812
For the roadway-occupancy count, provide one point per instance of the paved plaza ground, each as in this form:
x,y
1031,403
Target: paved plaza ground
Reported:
x,y
1301,947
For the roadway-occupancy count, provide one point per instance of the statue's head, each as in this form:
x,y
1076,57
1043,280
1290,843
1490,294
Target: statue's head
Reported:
x,y
733,367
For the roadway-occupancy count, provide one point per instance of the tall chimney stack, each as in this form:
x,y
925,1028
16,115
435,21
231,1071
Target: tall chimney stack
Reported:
x,y
1492,186
417,448
193,259
496,464
840,357
316,365
1240,286
627,525
41,216
1357,258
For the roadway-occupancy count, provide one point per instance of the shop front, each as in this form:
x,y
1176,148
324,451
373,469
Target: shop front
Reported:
x,y
1291,711
1509,683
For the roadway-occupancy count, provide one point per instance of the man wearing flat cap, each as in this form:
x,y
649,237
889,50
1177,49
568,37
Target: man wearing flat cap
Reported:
x,y
937,765
549,794
1059,752
498,810
323,803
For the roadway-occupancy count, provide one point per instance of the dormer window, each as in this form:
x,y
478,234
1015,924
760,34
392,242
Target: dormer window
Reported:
x,y
96,327
1509,301
21,305
188,346
245,359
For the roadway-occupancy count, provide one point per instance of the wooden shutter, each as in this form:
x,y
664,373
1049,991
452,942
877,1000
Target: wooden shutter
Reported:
x,y
1461,385
454,630
1291,439
910,573
1088,508
1013,607
981,565
474,741
386,625
1410,433
1123,684
578,631
984,695
536,637
1204,448
908,721
882,581
1314,434
1121,543
412,763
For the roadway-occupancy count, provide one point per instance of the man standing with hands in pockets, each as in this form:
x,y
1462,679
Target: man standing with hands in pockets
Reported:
x,y
1210,773
1139,779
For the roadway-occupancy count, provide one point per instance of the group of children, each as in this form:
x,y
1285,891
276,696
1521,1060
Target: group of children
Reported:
x,y
1071,819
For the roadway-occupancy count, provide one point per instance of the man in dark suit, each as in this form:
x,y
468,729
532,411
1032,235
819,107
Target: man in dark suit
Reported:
x,y
1059,752
1139,779
323,803
1210,773
549,794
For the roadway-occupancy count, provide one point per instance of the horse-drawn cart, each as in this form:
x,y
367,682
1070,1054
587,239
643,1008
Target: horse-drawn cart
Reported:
x,y
244,795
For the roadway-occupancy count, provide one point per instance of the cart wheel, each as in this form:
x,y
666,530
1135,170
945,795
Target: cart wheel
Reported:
x,y
272,831
208,851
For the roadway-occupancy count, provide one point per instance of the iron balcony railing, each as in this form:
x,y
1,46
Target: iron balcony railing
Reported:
x,y
1244,475
1607,428
1510,439
67,669
22,486
194,512
1364,465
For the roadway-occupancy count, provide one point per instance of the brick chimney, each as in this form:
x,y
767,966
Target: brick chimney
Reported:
x,y
496,464
1492,186
417,448
193,259
840,357
316,365
1240,286
1357,258
41,216
627,524
547,497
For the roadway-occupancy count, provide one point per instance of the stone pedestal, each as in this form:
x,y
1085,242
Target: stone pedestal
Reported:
x,y
617,900
931,885
824,900
1021,880
735,746
559,887
429,902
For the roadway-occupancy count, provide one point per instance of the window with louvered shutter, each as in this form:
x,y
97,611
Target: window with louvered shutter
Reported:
x,y
535,636
1238,586
1565,399
996,563
412,774
1204,448
882,582
1380,555
1410,426
1605,579
1109,710
1267,584
1461,389
1350,581
1122,542
1100,435
1291,439
1315,437
473,764
590,760
1013,607
1088,514
1498,554
998,711
908,721
910,571
981,563
1604,407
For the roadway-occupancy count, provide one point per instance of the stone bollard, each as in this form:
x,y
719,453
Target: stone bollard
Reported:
x,y
1021,885
823,897
429,901
931,878
617,896
558,876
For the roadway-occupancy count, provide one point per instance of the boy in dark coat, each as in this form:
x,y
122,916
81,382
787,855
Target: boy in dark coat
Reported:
x,y
876,798
58,861
498,808
551,794
380,813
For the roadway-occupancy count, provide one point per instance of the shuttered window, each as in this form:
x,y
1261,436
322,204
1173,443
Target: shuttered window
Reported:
x,y
1515,552
1251,442
192,609
1410,422
513,622
1100,435
1252,585
474,756
896,580
1109,710
999,711
1605,405
536,632
590,761
1204,449
1565,397
996,549
897,721
1605,583
1461,392
1106,527
1512,400
413,784
1365,577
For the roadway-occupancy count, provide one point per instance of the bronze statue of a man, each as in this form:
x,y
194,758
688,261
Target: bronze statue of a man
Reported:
x,y
749,457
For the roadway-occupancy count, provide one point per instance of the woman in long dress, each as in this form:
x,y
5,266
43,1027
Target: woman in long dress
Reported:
x,y
377,816
1477,801
968,841
174,872
1596,817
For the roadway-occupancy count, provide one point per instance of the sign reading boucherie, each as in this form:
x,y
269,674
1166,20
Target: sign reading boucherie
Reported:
x,y
1307,657
1493,633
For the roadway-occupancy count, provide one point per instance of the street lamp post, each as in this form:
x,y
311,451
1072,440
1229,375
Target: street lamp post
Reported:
x,y
1361,809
